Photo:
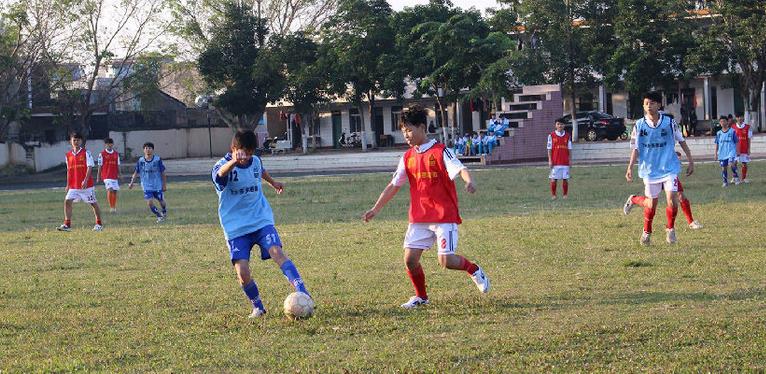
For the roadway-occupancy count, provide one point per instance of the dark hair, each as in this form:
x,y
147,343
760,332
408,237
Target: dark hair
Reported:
x,y
148,144
561,121
414,116
740,114
244,139
75,135
730,116
653,96
722,117
108,141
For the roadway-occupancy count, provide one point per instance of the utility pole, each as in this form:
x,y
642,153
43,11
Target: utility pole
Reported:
x,y
260,26
573,97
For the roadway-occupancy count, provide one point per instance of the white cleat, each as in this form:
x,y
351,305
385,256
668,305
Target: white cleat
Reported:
x,y
160,219
414,302
112,210
646,238
481,280
746,181
736,181
670,236
628,205
724,185
257,312
64,228
695,225
98,227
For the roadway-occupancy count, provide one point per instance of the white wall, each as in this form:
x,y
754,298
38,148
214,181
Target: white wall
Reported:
x,y
175,143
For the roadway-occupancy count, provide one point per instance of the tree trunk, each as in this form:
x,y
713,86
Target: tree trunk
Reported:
x,y
375,137
361,131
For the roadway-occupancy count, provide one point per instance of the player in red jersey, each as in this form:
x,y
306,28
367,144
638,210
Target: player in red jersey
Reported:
x,y
744,136
79,187
109,172
559,147
430,168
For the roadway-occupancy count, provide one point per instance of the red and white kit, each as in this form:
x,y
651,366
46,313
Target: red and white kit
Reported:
x,y
77,164
560,144
744,133
110,164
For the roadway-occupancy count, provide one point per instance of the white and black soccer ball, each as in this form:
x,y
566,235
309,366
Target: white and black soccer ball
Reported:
x,y
298,305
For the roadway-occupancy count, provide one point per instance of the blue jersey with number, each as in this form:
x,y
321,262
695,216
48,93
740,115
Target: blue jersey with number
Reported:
x,y
727,144
242,207
150,172
657,149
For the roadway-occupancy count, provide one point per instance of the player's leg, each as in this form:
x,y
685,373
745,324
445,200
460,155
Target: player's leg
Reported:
x,y
734,171
651,192
67,225
553,188
239,251
417,239
671,211
268,240
724,172
565,181
163,205
744,172
446,240
97,214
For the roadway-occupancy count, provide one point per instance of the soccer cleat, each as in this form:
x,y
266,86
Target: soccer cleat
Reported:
x,y
646,238
695,225
160,219
670,236
735,181
724,185
553,197
64,228
98,227
628,205
481,280
414,302
746,181
112,210
257,312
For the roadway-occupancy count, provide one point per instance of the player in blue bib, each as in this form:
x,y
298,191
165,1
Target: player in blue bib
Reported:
x,y
153,181
726,150
246,216
653,144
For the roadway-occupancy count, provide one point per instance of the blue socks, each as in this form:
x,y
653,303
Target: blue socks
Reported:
x,y
155,211
734,171
251,290
725,176
292,275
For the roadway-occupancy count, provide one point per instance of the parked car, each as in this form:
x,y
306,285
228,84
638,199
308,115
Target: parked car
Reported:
x,y
595,125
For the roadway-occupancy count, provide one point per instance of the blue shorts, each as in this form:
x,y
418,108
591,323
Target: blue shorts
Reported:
x,y
726,162
148,195
266,237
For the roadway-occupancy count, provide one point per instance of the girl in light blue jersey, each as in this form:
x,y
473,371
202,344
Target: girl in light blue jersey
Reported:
x,y
246,216
726,151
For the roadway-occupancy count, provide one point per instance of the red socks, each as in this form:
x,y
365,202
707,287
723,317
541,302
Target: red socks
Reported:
x,y
638,200
111,196
553,187
68,222
686,207
98,221
649,216
671,212
744,170
565,186
418,278
467,266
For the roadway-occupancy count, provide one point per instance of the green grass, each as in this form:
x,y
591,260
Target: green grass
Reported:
x,y
572,288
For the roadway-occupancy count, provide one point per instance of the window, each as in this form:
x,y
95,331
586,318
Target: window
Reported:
x,y
396,116
356,120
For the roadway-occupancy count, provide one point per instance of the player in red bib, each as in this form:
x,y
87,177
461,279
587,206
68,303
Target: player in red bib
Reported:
x,y
430,168
109,172
559,147
79,186
744,135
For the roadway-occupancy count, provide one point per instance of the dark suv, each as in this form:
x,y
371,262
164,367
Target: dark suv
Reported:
x,y
594,125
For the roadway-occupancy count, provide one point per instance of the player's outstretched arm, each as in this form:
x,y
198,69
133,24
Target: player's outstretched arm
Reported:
x,y
132,179
466,176
164,181
688,152
388,193
629,172
278,186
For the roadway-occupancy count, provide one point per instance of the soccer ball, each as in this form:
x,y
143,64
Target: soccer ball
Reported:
x,y
298,305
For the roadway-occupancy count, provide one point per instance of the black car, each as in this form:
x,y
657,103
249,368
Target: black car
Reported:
x,y
595,125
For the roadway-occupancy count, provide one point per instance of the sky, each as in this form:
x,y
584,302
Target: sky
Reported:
x,y
480,4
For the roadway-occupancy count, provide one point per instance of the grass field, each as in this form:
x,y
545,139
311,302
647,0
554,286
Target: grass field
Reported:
x,y
572,288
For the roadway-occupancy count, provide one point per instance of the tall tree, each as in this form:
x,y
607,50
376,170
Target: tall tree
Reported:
x,y
357,44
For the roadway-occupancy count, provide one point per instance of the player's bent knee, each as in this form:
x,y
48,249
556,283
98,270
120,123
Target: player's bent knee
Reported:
x,y
277,254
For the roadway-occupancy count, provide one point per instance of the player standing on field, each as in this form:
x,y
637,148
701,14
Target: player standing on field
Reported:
x,y
109,172
247,218
744,137
153,180
79,182
430,168
726,151
559,147
653,144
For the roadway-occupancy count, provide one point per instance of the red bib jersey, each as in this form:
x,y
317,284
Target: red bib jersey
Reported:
x,y
433,198
559,149
77,167
743,135
110,163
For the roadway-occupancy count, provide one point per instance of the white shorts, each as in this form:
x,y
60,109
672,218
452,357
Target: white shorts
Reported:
x,y
669,184
743,157
87,195
112,184
423,236
559,172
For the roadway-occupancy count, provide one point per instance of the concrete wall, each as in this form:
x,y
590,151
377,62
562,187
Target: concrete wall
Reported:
x,y
12,153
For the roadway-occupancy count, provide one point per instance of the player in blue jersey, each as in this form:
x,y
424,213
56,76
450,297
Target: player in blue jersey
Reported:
x,y
653,145
246,216
726,151
153,181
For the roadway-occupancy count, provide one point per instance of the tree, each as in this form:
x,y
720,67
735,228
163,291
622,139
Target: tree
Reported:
x,y
246,75
357,45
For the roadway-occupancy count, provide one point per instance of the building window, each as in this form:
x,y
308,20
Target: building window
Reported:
x,y
355,120
396,116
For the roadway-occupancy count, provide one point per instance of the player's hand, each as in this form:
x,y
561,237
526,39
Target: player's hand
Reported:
x,y
130,185
690,169
470,187
629,175
240,156
369,215
278,187
164,188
